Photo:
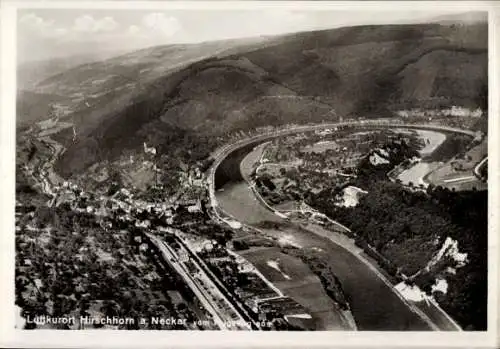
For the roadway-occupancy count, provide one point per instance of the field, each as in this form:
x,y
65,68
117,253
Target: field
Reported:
x,y
458,173
297,281
416,173
287,206
320,147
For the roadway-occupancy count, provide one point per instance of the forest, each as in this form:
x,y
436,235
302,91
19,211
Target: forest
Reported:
x,y
402,229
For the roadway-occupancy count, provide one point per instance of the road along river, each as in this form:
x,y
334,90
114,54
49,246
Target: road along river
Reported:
x,y
374,303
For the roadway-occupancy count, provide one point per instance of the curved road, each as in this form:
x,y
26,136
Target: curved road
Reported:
x,y
374,302
220,154
482,163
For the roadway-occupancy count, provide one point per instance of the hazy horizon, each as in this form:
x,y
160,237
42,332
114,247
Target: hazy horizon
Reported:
x,y
56,33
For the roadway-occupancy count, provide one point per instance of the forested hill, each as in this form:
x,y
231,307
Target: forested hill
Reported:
x,y
201,92
404,230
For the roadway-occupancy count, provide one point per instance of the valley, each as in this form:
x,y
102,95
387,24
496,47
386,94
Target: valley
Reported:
x,y
238,201
329,180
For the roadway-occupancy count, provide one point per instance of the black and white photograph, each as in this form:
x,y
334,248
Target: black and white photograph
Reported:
x,y
236,168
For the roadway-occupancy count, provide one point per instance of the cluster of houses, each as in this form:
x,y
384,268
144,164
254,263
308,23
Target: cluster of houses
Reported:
x,y
453,111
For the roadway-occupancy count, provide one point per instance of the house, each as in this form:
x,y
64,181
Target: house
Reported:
x,y
194,209
38,283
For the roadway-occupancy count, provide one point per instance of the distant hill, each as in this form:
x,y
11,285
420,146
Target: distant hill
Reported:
x,y
202,91
31,72
463,18
31,106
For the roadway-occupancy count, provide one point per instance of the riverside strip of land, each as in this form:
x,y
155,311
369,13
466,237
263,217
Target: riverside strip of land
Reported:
x,y
374,302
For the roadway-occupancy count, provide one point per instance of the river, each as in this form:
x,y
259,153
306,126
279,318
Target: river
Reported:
x,y
374,305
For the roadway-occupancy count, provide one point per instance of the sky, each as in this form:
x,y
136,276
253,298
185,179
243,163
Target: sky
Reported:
x,y
49,33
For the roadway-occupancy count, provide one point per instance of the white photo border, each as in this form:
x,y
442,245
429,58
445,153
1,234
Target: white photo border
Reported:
x,y
10,337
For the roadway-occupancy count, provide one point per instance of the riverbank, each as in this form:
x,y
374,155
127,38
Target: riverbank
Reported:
x,y
394,313
362,286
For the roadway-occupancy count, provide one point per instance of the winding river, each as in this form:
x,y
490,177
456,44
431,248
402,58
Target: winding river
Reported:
x,y
374,304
